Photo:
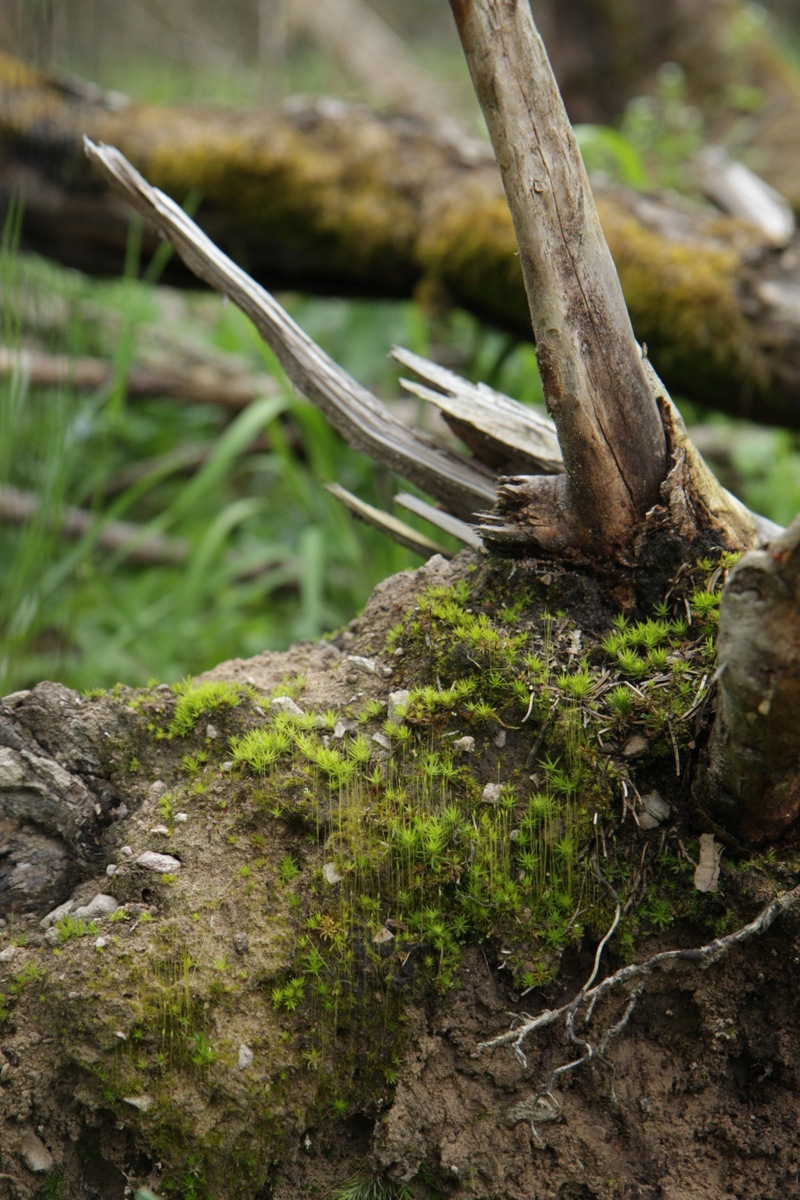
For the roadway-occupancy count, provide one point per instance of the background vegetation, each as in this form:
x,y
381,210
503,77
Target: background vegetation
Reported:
x,y
267,556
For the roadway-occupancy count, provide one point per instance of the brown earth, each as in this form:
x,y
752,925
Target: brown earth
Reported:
x,y
696,1098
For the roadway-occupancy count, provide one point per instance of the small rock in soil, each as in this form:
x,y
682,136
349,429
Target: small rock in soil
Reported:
x,y
332,876
100,905
398,700
358,663
285,704
246,1057
35,1154
162,864
56,914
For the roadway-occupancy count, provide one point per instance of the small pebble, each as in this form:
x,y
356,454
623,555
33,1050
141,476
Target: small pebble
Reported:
x,y
635,746
285,704
465,744
246,1057
241,943
398,702
332,876
35,1155
212,731
358,663
161,864
181,817
491,793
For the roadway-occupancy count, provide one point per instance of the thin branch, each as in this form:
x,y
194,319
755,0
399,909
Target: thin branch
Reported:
x,y
352,410
197,382
398,531
17,507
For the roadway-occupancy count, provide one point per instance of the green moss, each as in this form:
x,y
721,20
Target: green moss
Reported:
x,y
195,699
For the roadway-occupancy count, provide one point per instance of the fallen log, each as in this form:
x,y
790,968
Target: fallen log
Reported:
x,y
327,197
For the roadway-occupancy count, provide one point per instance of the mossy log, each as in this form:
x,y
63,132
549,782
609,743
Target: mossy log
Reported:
x,y
328,197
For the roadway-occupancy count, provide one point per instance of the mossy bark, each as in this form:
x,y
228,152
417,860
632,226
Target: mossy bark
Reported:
x,y
328,197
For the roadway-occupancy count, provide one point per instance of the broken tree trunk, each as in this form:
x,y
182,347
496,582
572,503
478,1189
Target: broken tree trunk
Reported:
x,y
325,196
595,386
752,781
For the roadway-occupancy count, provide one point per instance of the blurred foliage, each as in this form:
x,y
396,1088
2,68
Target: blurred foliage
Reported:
x,y
272,557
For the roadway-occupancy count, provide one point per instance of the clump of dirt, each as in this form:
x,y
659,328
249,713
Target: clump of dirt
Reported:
x,y
259,1012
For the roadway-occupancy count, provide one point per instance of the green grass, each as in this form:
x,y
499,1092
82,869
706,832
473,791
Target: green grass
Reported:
x,y
271,557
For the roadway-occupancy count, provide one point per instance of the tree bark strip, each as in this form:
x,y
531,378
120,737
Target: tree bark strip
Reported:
x,y
752,785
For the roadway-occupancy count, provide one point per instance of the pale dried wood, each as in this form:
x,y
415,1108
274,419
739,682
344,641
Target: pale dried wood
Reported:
x,y
358,415
500,432
398,531
457,529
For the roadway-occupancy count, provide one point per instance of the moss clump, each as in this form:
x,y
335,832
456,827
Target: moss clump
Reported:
x,y
194,699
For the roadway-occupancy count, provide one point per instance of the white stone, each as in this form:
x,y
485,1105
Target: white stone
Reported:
x,y
57,914
383,935
161,829
380,739
111,869
144,1102
246,1057
101,943
398,700
285,704
359,663
181,817
465,744
491,793
332,876
35,1154
161,864
99,906
126,852
212,731
7,954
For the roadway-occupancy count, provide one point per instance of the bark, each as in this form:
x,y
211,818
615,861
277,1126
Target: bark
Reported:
x,y
752,782
595,387
325,196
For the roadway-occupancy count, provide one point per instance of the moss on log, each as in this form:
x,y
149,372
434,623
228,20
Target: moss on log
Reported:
x,y
327,197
